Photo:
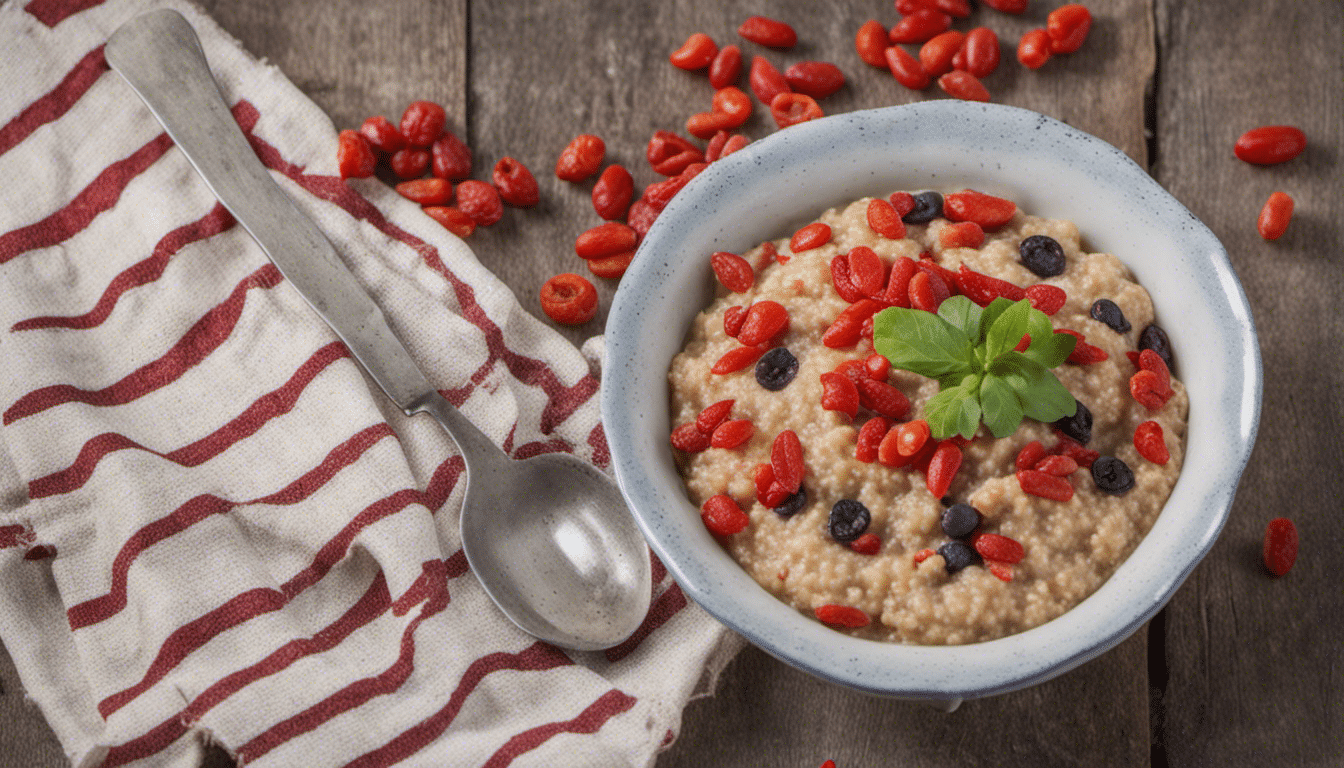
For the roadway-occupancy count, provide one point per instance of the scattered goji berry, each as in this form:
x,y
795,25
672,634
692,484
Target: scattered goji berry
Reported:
x,y
427,192
867,544
765,320
817,79
382,135
911,437
452,219
569,299
813,235
641,216
993,546
882,398
922,555
613,192
866,270
988,211
1280,550
766,81
738,358
960,234
768,492
354,156
842,616
607,239
1045,298
1150,360
786,460
581,158
927,291
1067,27
726,67
843,280
1001,571
1270,144
423,123
1075,450
877,366
1084,353
734,143
963,85
906,68
1007,6
714,149
689,439
771,33
1150,442
713,415
958,8
612,266
980,52
1043,485
1146,389
451,158
927,264
722,516
920,26
733,317
1275,216
1059,466
703,125
1033,50
794,108
870,41
516,184
943,466
869,437
661,193
936,54
884,220
838,393
983,289
697,52
409,163
664,147
733,271
732,433
1030,454
897,292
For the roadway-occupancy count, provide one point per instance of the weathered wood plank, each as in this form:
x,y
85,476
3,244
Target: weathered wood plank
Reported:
x,y
1256,666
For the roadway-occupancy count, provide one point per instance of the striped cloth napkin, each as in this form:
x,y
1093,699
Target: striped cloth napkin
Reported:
x,y
213,528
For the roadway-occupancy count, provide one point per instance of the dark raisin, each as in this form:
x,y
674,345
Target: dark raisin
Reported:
x,y
1109,312
1079,425
1112,475
792,505
958,555
1042,254
776,369
848,520
1155,338
928,206
960,520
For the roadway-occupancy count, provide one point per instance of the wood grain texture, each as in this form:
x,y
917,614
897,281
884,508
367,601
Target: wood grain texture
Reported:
x,y
1256,665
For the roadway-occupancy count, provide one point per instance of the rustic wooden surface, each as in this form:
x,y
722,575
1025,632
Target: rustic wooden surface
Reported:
x,y
1240,669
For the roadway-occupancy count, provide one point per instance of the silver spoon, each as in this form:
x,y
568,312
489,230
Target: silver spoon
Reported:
x,y
550,538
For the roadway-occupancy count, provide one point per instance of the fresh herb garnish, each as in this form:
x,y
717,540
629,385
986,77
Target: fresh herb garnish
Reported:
x,y
970,351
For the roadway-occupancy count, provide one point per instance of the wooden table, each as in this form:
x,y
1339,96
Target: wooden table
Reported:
x,y
1240,669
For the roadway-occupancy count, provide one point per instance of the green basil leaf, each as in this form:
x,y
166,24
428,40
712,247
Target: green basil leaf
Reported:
x,y
1042,396
1001,408
921,342
990,314
964,314
1008,329
955,410
1051,349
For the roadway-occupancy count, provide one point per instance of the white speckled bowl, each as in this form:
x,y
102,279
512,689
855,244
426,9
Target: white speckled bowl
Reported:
x,y
1049,169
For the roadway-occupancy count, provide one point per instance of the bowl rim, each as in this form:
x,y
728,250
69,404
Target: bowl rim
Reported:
x,y
892,669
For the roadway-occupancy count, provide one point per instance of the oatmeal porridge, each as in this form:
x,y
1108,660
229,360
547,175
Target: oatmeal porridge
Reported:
x,y
838,482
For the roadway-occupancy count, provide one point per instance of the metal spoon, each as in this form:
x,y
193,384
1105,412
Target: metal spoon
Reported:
x,y
550,538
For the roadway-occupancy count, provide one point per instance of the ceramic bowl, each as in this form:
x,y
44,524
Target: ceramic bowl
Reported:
x,y
1048,168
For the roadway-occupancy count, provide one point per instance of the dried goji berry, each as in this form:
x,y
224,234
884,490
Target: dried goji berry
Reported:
x,y
843,280
1024,344
922,555
1275,215
842,332
838,393
1044,485
409,163
911,437
766,81
731,433
689,439
877,366
703,125
1067,446
842,616
1150,360
883,399
1033,50
569,298
943,466
961,234
903,202
817,79
733,271
867,544
869,437
1150,442
958,8
612,266
786,460
794,108
765,320
382,135
884,220
936,54
427,192
452,219
663,146
606,239
1030,454
983,289
1270,144
1280,551
714,149
813,235
612,192
722,516
980,52
516,184
581,158
768,492
734,103
897,292
1001,571
733,317
1059,466
988,211
713,415
993,546
927,291
1007,6
726,67
963,85
927,264
354,156
734,143
1045,298
422,123
661,193
771,33
738,358
1084,353
866,270
854,369
451,159
920,26
1146,389
1067,27
906,68
641,216
696,53
870,41
905,7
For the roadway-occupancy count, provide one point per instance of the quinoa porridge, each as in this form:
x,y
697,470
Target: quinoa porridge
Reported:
x,y
885,545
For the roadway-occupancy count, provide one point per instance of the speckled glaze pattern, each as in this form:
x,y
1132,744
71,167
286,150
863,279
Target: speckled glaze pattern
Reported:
x,y
1049,169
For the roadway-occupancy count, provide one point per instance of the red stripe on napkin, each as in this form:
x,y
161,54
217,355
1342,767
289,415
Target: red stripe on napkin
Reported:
x,y
50,106
609,705
53,12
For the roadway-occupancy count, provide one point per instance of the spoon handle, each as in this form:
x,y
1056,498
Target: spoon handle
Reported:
x,y
159,54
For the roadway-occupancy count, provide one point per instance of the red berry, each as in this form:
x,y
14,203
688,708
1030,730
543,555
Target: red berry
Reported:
x,y
516,184
1033,50
811,236
713,415
1275,215
726,67
1270,144
732,271
422,123
581,158
1280,545
451,158
452,219
382,135
842,616
722,516
1150,442
480,201
354,156
771,33
696,53
569,299
871,43
817,79
426,191
605,240
1067,27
